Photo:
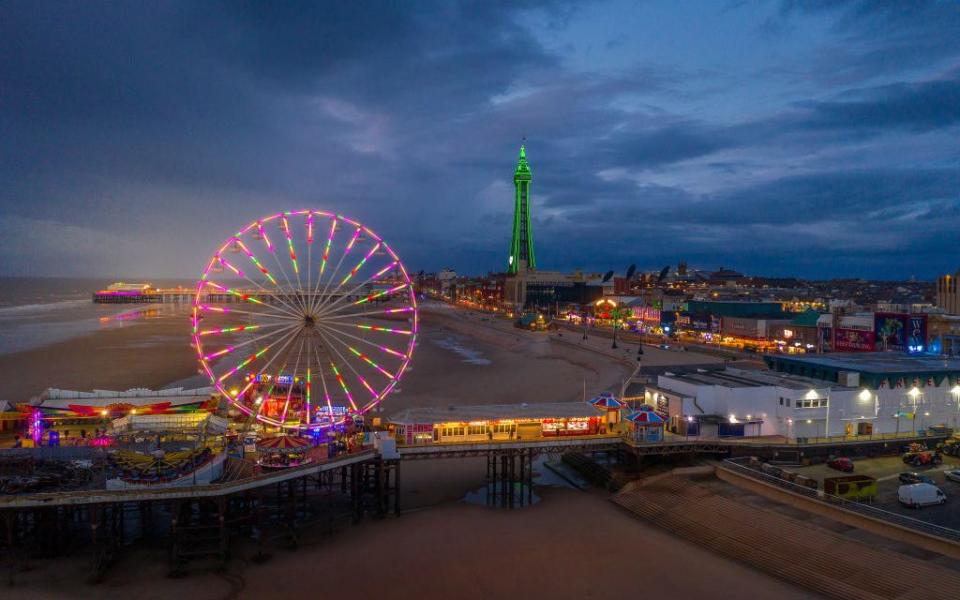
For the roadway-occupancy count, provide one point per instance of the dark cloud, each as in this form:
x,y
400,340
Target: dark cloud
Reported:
x,y
134,137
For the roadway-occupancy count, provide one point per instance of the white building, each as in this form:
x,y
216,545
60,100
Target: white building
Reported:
x,y
737,402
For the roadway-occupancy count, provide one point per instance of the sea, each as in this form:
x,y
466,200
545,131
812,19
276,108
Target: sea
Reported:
x,y
38,311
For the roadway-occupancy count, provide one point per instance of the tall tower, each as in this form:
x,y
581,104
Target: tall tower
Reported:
x,y
521,246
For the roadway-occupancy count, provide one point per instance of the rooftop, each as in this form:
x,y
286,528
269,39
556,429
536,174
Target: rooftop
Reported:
x,y
494,411
879,363
739,378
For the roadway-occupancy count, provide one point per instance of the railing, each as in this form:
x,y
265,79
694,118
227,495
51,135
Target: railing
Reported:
x,y
866,510
160,492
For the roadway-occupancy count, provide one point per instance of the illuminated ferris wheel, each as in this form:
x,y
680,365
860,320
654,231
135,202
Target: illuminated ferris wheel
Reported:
x,y
304,319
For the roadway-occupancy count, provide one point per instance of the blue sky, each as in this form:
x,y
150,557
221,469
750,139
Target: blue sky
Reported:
x,y
817,139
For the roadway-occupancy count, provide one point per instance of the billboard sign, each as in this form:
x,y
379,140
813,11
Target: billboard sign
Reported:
x,y
900,332
853,340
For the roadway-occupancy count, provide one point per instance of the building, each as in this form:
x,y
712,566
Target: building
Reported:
x,y
100,404
947,296
808,396
943,334
495,422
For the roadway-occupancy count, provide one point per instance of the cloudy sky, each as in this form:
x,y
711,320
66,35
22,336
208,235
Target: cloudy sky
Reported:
x,y
812,138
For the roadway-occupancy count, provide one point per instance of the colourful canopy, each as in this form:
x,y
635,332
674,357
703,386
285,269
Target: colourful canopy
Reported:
x,y
645,417
283,442
607,401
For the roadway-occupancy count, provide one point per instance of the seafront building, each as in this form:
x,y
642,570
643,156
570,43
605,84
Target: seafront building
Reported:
x,y
807,397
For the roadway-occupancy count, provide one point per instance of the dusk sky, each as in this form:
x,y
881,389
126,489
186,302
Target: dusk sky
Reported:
x,y
817,139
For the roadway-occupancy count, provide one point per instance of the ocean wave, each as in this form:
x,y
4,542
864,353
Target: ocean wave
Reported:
x,y
21,309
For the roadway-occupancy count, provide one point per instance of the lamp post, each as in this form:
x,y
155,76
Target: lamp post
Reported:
x,y
914,393
616,315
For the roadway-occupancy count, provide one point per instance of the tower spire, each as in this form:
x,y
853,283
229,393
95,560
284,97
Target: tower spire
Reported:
x,y
521,244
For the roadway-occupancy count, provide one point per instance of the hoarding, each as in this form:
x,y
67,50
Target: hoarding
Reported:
x,y
853,340
900,332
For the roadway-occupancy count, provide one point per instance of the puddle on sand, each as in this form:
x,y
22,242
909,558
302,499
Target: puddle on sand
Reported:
x,y
542,476
469,355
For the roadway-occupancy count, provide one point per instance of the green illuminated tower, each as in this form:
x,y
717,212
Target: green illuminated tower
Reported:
x,y
521,246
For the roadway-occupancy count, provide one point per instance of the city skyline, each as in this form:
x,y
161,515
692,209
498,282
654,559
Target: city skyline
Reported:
x,y
815,140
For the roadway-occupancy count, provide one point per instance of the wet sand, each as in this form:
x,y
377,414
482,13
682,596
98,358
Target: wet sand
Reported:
x,y
149,353
455,363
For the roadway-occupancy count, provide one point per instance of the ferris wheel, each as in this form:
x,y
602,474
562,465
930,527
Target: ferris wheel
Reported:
x,y
304,319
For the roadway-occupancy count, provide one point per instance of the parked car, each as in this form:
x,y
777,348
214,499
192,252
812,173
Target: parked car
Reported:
x,y
916,495
953,475
912,477
841,463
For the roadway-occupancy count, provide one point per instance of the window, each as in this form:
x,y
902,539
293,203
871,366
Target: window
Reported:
x,y
788,402
476,430
781,400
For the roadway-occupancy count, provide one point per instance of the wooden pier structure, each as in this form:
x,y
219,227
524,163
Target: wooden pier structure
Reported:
x,y
206,522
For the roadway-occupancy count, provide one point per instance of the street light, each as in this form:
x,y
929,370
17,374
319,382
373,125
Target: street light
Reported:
x,y
914,393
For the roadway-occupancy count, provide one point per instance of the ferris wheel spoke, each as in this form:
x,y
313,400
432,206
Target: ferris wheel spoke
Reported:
x,y
361,355
256,262
386,311
343,384
309,300
288,308
384,349
238,294
340,377
232,348
272,249
238,329
326,391
308,384
346,297
359,265
296,369
333,274
224,310
349,365
285,223
323,262
256,355
282,351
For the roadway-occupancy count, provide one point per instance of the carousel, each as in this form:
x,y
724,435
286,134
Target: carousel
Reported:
x,y
283,451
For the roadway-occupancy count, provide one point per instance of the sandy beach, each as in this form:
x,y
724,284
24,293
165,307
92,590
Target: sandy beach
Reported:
x,y
144,353
571,545
459,360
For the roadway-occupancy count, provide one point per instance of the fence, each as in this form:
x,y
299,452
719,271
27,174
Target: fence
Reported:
x,y
54,453
866,510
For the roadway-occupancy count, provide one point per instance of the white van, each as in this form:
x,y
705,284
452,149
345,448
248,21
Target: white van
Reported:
x,y
916,495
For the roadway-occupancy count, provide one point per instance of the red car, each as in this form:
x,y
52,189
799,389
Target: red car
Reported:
x,y
841,464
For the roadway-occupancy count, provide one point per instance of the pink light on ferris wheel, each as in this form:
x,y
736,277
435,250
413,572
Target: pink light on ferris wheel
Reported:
x,y
273,337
